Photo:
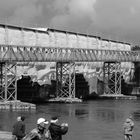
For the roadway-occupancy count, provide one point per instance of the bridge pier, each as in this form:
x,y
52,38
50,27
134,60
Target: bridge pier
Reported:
x,y
112,78
65,77
8,81
65,83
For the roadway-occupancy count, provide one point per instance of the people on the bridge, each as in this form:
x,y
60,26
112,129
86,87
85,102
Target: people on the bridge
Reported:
x,y
56,129
19,128
128,128
38,133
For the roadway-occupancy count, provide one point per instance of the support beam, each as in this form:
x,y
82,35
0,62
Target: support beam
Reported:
x,y
2,81
13,53
112,78
8,81
65,77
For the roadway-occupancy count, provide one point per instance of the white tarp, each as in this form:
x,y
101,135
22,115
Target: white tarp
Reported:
x,y
2,36
27,37
104,45
93,43
11,35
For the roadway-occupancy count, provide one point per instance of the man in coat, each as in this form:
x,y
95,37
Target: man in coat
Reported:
x,y
19,128
57,130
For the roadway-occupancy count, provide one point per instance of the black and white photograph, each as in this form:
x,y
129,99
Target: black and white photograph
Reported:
x,y
69,69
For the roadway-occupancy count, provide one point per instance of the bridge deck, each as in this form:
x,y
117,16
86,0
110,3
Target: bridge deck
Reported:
x,y
12,53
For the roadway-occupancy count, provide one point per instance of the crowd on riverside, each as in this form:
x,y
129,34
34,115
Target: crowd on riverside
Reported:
x,y
45,130
52,130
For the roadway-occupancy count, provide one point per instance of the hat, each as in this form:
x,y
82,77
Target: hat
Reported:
x,y
42,120
128,120
54,119
19,118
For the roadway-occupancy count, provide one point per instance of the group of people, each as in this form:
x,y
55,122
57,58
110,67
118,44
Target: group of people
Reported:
x,y
45,130
52,130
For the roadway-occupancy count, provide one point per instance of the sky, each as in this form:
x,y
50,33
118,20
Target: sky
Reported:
x,y
117,20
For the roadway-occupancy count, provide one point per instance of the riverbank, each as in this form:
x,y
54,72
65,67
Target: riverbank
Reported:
x,y
65,100
111,97
16,105
5,135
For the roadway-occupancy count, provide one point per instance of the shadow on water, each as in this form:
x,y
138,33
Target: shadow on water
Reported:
x,y
108,115
81,113
136,115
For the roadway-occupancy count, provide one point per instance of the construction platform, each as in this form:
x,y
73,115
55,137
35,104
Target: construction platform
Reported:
x,y
16,105
120,96
65,100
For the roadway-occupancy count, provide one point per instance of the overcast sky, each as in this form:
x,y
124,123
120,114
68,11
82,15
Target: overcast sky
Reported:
x,y
111,19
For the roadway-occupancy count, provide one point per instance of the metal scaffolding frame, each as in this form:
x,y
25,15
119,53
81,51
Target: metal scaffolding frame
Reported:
x,y
112,78
2,81
12,52
15,53
65,78
8,81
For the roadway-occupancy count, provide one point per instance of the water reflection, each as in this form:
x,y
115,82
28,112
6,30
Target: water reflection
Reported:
x,y
109,115
81,113
136,115
101,120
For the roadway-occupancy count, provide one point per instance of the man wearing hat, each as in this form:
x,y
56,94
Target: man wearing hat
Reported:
x,y
39,132
57,130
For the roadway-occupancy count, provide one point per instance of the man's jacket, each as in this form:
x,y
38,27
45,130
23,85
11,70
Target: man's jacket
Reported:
x,y
57,131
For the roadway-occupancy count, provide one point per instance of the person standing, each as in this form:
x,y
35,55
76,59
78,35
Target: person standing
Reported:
x,y
57,130
128,128
19,128
39,132
23,126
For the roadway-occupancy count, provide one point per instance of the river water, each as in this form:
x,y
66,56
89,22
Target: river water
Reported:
x,y
90,120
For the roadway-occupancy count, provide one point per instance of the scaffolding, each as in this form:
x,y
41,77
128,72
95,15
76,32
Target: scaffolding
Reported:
x,y
112,78
65,77
8,82
20,44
